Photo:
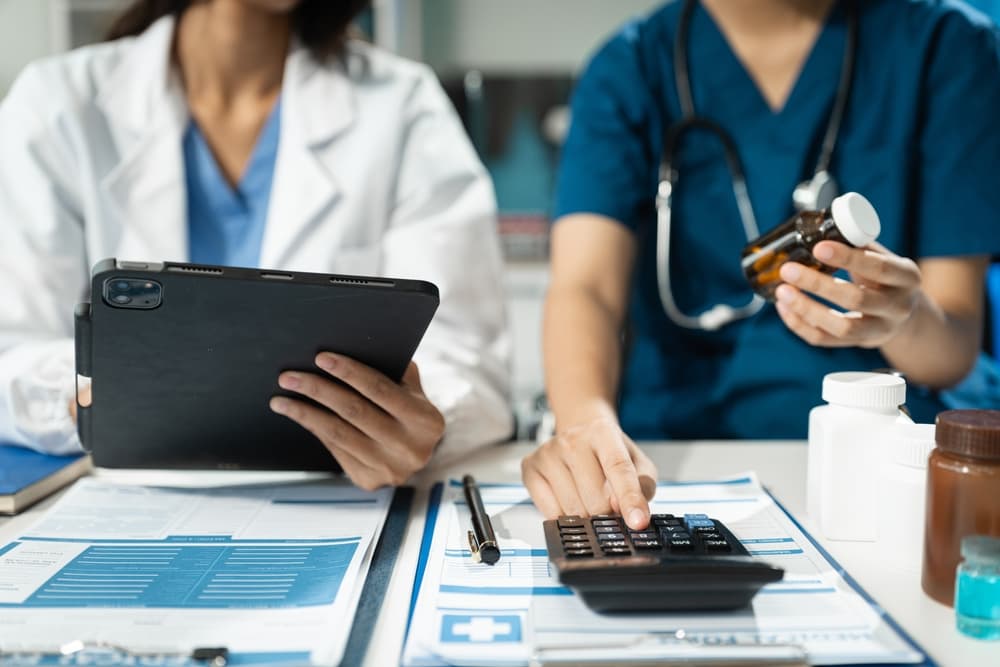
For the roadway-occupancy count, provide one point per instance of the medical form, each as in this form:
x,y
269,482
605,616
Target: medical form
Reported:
x,y
269,571
518,607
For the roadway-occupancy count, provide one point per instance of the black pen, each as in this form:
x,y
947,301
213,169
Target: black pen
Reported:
x,y
482,539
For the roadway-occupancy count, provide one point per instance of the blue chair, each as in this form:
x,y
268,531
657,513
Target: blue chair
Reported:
x,y
981,389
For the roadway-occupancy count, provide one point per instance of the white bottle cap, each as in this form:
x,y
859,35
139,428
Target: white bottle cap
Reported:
x,y
913,445
856,219
873,391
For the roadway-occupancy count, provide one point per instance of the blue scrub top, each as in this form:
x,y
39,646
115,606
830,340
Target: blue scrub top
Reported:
x,y
920,139
226,224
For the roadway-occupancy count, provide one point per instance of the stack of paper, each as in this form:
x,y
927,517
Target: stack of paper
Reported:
x,y
518,608
269,572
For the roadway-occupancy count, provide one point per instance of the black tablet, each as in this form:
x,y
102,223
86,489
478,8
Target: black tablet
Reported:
x,y
184,358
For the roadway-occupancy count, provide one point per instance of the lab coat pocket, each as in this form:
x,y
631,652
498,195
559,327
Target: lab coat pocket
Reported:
x,y
359,260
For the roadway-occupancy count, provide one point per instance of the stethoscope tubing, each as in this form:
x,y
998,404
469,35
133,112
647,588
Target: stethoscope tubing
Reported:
x,y
722,314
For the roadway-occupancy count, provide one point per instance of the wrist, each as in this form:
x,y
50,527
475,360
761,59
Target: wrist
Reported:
x,y
584,414
909,323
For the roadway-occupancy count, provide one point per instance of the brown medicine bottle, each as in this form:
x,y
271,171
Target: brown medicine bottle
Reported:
x,y
963,493
851,219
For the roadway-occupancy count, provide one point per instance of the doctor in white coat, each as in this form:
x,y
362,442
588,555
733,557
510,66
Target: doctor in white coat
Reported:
x,y
370,173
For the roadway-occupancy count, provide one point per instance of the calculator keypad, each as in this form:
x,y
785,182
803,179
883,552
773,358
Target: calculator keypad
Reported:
x,y
608,536
685,563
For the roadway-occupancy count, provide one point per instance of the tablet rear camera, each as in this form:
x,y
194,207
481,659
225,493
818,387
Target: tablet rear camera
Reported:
x,y
133,293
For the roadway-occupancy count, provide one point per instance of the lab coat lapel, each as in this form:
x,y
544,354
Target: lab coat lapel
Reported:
x,y
318,105
146,188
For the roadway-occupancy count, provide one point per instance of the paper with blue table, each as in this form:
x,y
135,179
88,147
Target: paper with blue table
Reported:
x,y
518,608
272,572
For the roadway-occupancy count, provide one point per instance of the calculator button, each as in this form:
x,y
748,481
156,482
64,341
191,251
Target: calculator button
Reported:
x,y
673,529
717,545
643,535
603,537
579,553
706,529
603,523
647,544
613,544
575,538
569,521
607,529
576,530
602,517
710,536
678,536
681,545
661,517
617,551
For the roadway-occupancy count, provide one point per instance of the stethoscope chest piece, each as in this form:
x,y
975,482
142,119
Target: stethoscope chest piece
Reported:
x,y
815,194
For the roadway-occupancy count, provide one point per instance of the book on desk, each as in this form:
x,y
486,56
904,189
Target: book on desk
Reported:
x,y
27,476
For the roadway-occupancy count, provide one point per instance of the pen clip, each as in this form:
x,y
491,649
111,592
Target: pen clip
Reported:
x,y
477,557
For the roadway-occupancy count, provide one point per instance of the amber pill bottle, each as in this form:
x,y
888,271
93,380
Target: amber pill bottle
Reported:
x,y
851,219
963,493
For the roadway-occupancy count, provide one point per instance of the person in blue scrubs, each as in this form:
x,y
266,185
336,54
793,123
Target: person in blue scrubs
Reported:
x,y
919,139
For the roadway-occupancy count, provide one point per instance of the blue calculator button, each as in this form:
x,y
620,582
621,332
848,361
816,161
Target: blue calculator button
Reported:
x,y
698,521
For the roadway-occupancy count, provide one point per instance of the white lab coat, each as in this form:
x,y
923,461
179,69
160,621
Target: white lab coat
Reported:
x,y
374,175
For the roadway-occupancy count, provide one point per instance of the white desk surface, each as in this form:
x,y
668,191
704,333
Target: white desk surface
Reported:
x,y
781,467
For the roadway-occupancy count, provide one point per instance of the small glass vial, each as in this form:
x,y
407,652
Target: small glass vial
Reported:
x,y
963,493
977,588
851,219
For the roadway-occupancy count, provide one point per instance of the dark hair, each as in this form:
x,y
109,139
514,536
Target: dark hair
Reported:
x,y
321,25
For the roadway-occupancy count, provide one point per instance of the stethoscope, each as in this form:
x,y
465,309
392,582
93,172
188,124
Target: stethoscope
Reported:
x,y
814,194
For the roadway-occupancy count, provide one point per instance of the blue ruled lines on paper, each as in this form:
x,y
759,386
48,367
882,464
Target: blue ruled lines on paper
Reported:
x,y
208,576
497,590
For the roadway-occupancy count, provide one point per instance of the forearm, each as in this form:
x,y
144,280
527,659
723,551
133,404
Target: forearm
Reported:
x,y
582,345
935,348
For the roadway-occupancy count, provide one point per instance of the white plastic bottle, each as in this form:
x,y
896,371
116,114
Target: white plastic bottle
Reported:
x,y
902,492
848,440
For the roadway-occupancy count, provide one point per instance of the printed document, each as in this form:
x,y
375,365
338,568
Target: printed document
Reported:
x,y
518,606
273,571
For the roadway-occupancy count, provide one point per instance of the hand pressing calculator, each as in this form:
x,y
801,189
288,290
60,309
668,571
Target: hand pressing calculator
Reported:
x,y
676,564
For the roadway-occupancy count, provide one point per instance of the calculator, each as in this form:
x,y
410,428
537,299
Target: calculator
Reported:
x,y
679,563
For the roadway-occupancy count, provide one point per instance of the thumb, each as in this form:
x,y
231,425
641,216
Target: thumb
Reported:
x,y
411,377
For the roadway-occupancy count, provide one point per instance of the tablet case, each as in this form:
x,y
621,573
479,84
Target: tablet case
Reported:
x,y
186,384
